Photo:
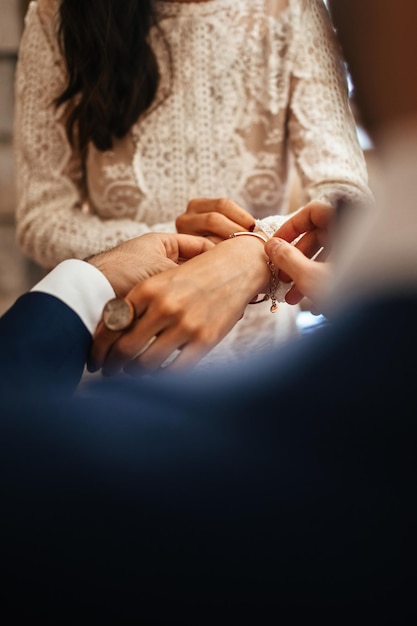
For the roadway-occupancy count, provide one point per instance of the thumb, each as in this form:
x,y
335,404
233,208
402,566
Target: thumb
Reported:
x,y
309,276
285,256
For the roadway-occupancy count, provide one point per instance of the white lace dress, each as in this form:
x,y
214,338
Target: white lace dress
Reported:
x,y
250,87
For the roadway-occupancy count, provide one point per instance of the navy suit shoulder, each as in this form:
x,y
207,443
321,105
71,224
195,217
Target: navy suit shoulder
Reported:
x,y
43,344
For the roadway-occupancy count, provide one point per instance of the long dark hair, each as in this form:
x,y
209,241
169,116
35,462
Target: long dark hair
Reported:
x,y
112,70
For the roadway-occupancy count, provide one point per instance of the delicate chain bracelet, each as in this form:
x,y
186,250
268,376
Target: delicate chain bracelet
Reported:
x,y
273,285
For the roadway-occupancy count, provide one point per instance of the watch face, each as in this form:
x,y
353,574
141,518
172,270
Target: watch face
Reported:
x,y
118,314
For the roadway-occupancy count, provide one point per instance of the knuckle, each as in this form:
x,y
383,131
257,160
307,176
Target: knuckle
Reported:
x,y
147,290
207,339
192,205
190,327
203,336
222,205
168,309
180,221
212,220
163,307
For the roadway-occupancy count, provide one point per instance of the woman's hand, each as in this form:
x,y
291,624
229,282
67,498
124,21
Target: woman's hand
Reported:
x,y
215,219
188,309
309,229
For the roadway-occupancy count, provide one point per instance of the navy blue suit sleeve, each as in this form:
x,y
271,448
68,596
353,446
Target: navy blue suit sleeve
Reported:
x,y
44,345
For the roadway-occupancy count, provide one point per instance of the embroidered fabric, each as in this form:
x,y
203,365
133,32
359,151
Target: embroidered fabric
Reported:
x,y
253,87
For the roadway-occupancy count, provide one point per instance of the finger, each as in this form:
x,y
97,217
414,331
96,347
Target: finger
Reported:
x,y
308,276
311,216
189,356
158,354
136,340
293,295
287,258
316,310
205,224
322,256
136,368
309,244
214,239
103,340
185,246
106,340
310,282
225,206
156,312
127,348
198,346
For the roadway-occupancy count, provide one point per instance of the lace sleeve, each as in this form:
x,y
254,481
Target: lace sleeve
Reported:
x,y
322,130
52,223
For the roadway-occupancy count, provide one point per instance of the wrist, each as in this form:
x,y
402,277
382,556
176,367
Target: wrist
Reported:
x,y
272,292
249,255
81,287
108,265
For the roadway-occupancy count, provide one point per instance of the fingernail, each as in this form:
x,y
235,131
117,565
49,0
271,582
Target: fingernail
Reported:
x,y
252,227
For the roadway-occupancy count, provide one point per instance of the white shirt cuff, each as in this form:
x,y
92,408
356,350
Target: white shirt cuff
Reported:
x,y
81,286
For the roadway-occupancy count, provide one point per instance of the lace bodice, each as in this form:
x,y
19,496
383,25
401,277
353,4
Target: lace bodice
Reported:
x,y
253,84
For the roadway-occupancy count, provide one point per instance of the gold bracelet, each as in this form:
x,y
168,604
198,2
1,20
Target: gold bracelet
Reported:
x,y
248,232
273,285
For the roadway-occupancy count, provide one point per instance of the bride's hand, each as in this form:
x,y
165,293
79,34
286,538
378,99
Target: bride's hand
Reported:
x,y
214,218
